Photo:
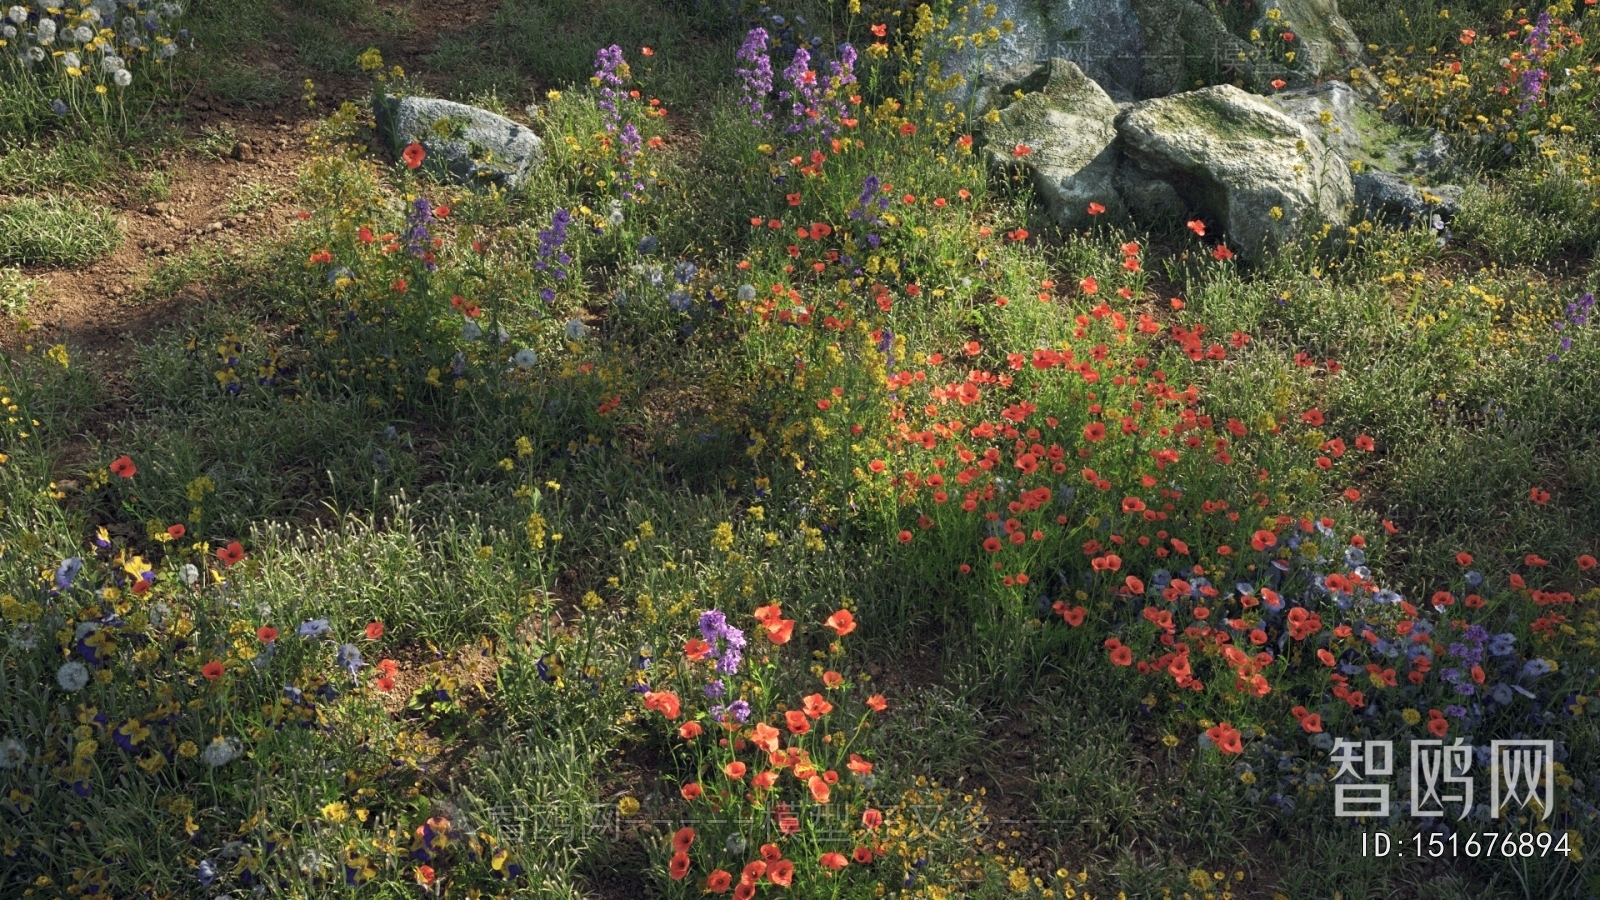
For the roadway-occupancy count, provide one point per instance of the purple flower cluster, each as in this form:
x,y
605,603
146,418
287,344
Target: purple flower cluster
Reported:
x,y
714,628
756,75
816,102
738,711
1534,80
550,241
418,241
1577,316
870,196
610,74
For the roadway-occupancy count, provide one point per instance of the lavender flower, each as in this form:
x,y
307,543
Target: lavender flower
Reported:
x,y
418,241
550,241
714,627
756,75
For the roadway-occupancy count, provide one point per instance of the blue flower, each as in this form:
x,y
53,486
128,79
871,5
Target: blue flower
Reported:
x,y
67,571
313,628
58,106
349,658
684,271
1474,578
648,245
206,872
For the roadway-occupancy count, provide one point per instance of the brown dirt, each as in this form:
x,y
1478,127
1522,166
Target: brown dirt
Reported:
x,y
102,306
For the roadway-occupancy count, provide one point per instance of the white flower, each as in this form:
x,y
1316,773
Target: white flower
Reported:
x,y
72,676
470,331
83,34
615,218
8,32
12,754
220,752
576,329
17,14
747,293
167,51
123,78
189,575
35,54
525,358
111,64
47,31
71,61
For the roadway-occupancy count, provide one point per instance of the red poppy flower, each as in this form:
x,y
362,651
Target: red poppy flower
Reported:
x,y
719,882
124,467
1095,209
665,702
1312,723
1586,562
679,867
231,554
734,770
797,721
211,670
1539,495
1278,84
1122,656
833,861
1439,726
425,875
1094,431
1226,737
177,531
374,630
877,703
683,840
780,871
690,730
1222,253
690,791
907,129
414,155
1198,227
880,29
862,855
266,634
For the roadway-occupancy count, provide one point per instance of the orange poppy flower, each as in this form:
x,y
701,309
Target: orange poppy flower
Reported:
x,y
1221,253
1312,723
833,861
819,788
683,840
765,737
719,881
690,730
211,670
816,707
679,867
797,721
862,855
696,649
871,819
779,632
859,765
266,634
665,702
230,554
734,770
414,155
832,679
1198,227
1122,656
691,791
124,467
1586,562
1226,737
842,622
877,703
374,630
1095,209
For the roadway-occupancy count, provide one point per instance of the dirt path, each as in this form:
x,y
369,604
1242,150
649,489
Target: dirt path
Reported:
x,y
228,186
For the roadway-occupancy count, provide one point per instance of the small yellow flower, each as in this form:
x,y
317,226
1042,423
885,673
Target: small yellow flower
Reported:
x,y
628,806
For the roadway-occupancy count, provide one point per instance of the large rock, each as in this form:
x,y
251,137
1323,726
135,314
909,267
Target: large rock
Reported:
x,y
464,144
1063,136
1230,153
1145,48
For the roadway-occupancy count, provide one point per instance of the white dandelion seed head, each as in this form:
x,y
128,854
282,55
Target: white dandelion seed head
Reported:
x,y
576,330
220,752
35,54
470,331
135,41
111,64
71,61
72,676
83,34
25,637
8,32
189,575
12,754
17,14
46,33
747,293
167,51
525,358
123,78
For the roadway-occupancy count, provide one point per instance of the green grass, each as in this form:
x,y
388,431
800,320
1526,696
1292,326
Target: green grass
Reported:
x,y
56,231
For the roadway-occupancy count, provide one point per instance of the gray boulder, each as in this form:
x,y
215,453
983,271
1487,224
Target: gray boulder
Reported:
x,y
1380,193
1150,200
1063,136
1232,154
1144,48
464,144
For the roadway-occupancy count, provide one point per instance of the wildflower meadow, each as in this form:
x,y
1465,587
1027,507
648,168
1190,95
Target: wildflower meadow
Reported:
x,y
763,474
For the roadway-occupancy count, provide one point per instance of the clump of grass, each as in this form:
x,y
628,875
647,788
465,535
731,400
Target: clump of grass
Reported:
x,y
56,231
16,291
